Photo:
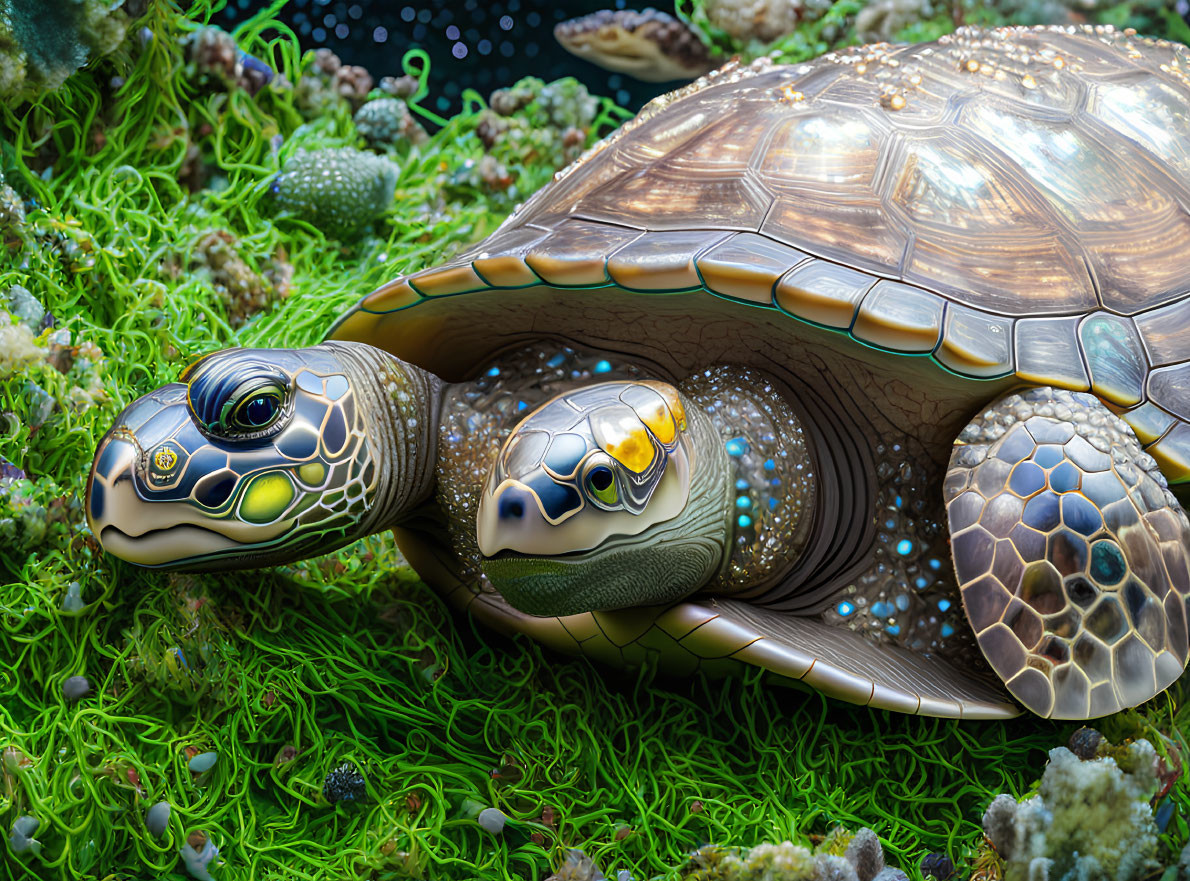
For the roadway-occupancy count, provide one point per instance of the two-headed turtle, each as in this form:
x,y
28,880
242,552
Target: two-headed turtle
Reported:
x,y
856,370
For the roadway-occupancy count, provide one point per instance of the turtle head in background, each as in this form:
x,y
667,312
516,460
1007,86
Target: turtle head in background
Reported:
x,y
651,46
256,457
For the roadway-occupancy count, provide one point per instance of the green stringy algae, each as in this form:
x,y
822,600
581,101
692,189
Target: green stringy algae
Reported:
x,y
111,184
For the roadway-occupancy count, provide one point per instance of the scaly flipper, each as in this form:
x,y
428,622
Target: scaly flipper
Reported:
x,y
1071,554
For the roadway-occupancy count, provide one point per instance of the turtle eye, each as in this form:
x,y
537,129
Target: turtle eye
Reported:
x,y
257,412
601,484
252,410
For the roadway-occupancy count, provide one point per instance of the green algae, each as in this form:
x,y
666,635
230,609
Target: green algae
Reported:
x,y
291,673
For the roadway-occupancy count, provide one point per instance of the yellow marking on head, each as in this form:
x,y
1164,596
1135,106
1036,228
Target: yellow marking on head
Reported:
x,y
165,459
266,497
670,394
312,473
661,423
634,450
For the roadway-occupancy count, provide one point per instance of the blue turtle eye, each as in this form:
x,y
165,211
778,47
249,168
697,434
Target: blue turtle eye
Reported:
x,y
601,478
261,410
256,411
601,483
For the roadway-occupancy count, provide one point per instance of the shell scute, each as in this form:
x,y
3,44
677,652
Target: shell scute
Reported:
x,y
1149,111
829,149
576,253
899,317
976,343
1048,353
747,267
662,261
822,292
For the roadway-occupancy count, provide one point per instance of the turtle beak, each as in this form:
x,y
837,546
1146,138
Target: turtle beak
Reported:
x,y
126,522
510,518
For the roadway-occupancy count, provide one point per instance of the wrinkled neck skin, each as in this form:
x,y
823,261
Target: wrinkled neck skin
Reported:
x,y
402,404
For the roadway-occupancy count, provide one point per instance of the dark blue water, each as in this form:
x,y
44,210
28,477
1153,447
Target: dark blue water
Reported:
x,y
478,44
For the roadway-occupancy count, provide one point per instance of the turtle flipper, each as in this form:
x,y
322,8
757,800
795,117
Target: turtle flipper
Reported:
x,y
718,636
1071,554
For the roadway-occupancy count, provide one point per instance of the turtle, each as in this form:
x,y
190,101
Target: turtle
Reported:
x,y
872,372
654,46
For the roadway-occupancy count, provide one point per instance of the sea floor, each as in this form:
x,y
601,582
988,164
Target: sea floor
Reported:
x,y
152,209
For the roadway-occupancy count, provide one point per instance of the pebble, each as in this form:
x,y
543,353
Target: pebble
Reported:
x,y
21,837
203,762
76,688
157,819
492,820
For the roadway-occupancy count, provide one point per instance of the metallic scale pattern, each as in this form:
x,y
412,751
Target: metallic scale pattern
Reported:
x,y
1006,202
231,483
1072,555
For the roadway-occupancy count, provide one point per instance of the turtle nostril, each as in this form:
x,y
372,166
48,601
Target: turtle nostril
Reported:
x,y
511,508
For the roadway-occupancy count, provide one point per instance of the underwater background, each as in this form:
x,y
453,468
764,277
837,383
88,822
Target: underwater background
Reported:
x,y
334,719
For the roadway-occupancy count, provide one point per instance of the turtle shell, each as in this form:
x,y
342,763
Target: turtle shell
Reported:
x,y
1011,206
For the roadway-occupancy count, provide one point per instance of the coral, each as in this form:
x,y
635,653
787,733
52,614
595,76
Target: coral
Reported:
x,y
330,81
999,824
338,190
41,44
353,83
14,230
761,20
18,346
386,121
786,861
536,122
243,291
577,867
832,868
881,20
216,62
1090,819
399,86
213,52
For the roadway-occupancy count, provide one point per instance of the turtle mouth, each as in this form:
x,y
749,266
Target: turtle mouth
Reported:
x,y
158,548
506,554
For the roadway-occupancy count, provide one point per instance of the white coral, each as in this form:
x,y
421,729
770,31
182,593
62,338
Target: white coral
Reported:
x,y
1089,820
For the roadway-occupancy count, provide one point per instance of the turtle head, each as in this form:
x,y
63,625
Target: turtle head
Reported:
x,y
254,457
602,499
652,46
